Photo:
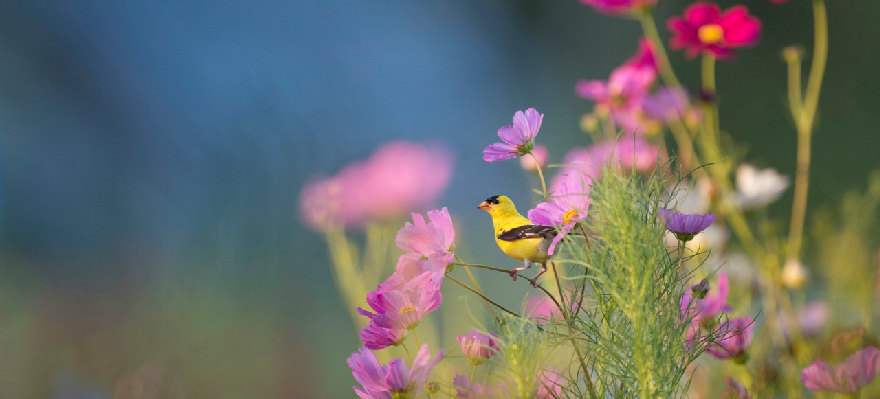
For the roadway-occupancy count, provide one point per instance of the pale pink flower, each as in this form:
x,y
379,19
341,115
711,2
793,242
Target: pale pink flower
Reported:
x,y
393,380
428,239
549,385
629,152
465,389
849,377
478,346
622,94
404,308
567,205
517,140
321,203
541,308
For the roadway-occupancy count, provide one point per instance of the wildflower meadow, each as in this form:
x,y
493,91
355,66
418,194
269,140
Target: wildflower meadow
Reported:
x,y
650,262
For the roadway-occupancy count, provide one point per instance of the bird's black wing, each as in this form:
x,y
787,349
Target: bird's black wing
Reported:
x,y
527,231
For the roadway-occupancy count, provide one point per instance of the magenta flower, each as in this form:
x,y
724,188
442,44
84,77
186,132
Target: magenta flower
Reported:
x,y
477,346
705,29
849,377
393,380
381,333
713,304
735,390
549,385
405,308
685,226
622,93
618,7
734,340
518,140
568,204
397,178
644,56
465,389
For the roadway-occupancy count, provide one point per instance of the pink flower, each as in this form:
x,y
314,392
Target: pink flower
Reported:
x,y
477,346
644,56
713,304
549,385
618,7
666,104
517,140
404,308
541,308
540,153
413,268
568,204
630,152
622,93
735,390
736,335
393,380
705,29
381,333
685,226
397,178
856,372
465,389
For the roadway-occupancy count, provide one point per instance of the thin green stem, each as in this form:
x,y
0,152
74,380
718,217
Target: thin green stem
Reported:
x,y
480,290
481,295
473,372
487,267
416,337
540,175
566,315
649,27
409,355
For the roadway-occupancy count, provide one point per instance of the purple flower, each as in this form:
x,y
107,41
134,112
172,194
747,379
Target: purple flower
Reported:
x,y
734,340
465,389
404,308
685,226
518,139
394,379
666,104
477,346
381,333
857,371
568,204
735,390
714,303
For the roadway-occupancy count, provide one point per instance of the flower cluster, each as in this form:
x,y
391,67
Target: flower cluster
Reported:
x,y
703,306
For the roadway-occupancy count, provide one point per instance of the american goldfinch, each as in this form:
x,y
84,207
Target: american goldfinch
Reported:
x,y
517,236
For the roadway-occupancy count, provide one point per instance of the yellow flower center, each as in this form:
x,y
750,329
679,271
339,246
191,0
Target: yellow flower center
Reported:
x,y
568,216
710,34
407,309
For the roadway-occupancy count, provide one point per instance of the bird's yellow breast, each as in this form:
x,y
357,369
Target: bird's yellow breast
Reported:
x,y
524,249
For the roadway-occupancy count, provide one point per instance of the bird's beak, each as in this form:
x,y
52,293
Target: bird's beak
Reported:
x,y
484,206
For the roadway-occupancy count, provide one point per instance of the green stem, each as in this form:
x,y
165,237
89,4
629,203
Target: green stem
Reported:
x,y
416,336
567,317
649,27
409,355
540,175
482,296
480,290
473,372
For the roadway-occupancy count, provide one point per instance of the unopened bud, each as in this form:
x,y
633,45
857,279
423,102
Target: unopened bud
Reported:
x,y
792,54
700,290
432,387
794,275
589,123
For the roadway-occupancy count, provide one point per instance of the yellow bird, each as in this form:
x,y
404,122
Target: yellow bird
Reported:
x,y
517,236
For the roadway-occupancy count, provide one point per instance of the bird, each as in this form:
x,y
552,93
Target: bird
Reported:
x,y
517,236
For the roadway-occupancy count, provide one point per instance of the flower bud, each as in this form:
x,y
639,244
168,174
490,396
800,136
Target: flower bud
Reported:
x,y
477,346
794,275
792,54
700,290
589,123
432,387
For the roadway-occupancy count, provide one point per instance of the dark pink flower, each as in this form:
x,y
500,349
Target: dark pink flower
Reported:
x,y
705,29
849,377
568,204
622,94
381,333
713,304
477,346
685,226
618,7
549,385
734,339
517,140
393,380
644,56
465,389
735,390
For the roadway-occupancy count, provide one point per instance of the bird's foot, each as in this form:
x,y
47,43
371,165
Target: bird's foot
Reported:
x,y
513,273
540,273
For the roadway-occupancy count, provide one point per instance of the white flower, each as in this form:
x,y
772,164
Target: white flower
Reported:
x,y
756,188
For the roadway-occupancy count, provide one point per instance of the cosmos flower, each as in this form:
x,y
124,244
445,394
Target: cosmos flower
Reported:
x,y
644,56
629,152
618,7
398,177
540,308
705,29
735,390
622,94
394,380
478,346
428,239
517,140
735,337
756,188
549,385
666,104
685,226
404,308
811,319
568,204
540,153
849,377
381,333
711,305
465,389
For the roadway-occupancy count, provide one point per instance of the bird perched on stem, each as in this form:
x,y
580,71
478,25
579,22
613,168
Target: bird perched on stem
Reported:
x,y
517,236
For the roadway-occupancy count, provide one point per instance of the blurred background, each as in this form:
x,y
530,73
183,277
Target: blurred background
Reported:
x,y
153,154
